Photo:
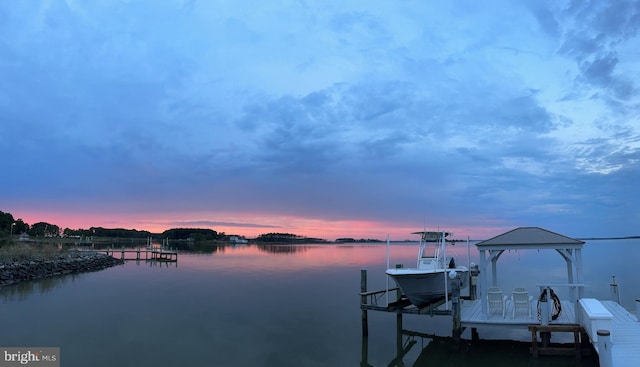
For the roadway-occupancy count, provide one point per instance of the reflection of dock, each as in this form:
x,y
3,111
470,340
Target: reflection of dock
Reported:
x,y
164,255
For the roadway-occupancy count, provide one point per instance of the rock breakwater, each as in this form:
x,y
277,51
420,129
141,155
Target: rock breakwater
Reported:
x,y
12,272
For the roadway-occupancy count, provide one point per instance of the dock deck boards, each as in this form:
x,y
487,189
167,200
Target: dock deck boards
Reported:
x,y
625,336
625,333
472,315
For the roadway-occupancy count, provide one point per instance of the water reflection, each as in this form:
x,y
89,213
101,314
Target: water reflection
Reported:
x,y
250,305
160,263
205,247
21,291
418,349
282,249
408,343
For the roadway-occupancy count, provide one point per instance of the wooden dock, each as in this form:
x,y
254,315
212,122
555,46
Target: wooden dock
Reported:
x,y
613,331
155,254
573,329
472,315
624,327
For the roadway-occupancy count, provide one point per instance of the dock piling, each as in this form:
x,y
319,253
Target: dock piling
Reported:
x,y
544,309
455,307
604,348
615,295
545,317
399,335
363,300
474,273
638,309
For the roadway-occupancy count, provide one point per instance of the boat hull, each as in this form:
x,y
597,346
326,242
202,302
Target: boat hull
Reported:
x,y
423,287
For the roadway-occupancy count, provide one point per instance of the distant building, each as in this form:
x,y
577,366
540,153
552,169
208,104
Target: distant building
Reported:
x,y
236,239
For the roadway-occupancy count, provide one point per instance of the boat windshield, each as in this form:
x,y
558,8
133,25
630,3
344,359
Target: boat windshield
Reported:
x,y
432,247
429,251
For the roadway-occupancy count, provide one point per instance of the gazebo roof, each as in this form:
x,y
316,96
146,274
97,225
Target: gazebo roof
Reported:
x,y
529,238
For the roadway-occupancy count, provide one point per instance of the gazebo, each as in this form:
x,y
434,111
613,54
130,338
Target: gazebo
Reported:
x,y
531,238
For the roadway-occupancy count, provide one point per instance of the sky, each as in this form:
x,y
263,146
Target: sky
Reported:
x,y
322,118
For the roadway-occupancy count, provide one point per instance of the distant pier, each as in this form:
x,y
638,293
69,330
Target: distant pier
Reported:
x,y
155,254
150,252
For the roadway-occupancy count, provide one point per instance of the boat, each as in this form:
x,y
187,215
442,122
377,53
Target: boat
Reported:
x,y
430,280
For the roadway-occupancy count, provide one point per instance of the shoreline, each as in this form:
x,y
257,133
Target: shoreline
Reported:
x,y
24,270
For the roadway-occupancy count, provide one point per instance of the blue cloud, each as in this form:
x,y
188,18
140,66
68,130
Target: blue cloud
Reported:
x,y
526,112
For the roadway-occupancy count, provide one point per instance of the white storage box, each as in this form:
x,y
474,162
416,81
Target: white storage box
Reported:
x,y
594,316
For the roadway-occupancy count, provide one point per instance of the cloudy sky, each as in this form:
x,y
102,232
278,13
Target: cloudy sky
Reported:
x,y
322,118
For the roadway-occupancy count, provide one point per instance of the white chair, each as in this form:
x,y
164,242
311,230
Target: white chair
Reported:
x,y
521,301
497,301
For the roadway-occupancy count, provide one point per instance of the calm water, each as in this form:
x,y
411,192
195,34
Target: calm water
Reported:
x,y
270,306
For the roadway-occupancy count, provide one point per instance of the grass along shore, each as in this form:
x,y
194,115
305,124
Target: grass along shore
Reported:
x,y
20,262
11,252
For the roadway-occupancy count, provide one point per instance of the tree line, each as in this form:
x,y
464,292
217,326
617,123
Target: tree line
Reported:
x,y
287,238
11,226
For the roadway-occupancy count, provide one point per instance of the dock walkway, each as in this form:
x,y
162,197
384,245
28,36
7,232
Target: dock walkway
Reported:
x,y
472,315
624,327
149,253
625,336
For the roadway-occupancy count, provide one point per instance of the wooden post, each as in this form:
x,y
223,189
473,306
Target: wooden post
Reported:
x,y
638,309
363,301
364,352
576,344
534,341
455,306
474,272
604,348
545,317
615,296
475,337
399,348
544,308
